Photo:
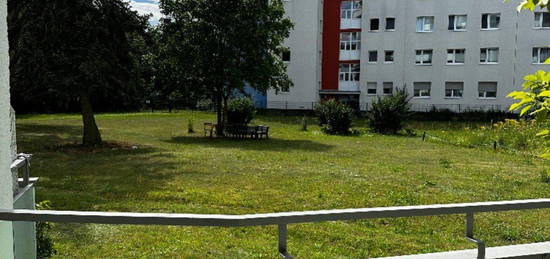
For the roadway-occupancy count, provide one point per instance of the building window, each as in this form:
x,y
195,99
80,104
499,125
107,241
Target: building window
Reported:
x,y
542,20
285,55
351,10
349,72
350,41
456,56
454,89
390,24
540,55
388,88
422,89
375,24
425,24
373,56
424,57
487,90
457,22
389,56
371,88
489,56
490,21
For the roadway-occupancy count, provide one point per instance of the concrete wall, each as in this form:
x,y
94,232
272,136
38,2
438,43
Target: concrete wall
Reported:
x,y
405,41
6,191
304,66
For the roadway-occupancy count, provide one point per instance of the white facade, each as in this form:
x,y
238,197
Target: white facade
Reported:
x,y
508,35
6,191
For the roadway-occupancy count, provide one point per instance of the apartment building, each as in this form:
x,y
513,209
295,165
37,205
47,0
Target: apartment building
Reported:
x,y
457,55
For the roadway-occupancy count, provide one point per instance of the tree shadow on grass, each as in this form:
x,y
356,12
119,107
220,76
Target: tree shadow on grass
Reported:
x,y
272,144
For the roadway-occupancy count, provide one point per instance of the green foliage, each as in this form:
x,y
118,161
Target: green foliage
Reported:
x,y
240,111
44,243
334,117
190,128
532,5
221,44
388,114
545,176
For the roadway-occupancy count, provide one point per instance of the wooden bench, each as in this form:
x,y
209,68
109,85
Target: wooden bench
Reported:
x,y
244,131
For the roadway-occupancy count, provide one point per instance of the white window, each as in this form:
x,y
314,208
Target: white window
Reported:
x,y
542,20
490,21
422,89
457,22
425,24
350,41
373,56
350,10
456,56
349,72
540,55
489,56
388,88
389,56
390,24
424,57
371,88
487,90
454,89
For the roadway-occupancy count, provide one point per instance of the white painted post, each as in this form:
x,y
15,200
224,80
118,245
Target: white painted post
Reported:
x,y
6,188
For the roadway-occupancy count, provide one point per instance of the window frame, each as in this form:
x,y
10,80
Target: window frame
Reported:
x,y
375,88
349,75
356,5
420,95
454,62
484,97
370,24
455,22
453,95
386,55
539,60
369,60
487,59
488,21
422,53
394,23
351,42
423,19
384,88
539,23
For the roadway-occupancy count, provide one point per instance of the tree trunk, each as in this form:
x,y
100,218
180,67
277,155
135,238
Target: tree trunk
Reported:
x,y
219,111
90,133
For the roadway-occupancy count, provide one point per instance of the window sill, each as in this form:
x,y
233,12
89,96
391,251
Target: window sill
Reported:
x,y
371,94
424,31
390,30
423,65
457,30
388,62
487,98
453,98
488,63
373,31
541,28
490,29
422,97
372,62
539,64
455,64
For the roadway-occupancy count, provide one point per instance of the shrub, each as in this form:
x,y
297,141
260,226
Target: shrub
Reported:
x,y
334,117
240,111
44,243
389,114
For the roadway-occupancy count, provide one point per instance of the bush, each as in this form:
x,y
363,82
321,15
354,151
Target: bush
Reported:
x,y
389,114
240,111
44,243
334,117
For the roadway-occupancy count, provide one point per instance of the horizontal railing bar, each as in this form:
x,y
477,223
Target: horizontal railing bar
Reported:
x,y
20,161
267,219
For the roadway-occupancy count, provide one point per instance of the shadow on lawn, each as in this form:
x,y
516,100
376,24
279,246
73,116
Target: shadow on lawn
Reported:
x,y
271,144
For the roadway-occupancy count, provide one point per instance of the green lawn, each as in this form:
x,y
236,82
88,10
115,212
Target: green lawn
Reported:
x,y
172,171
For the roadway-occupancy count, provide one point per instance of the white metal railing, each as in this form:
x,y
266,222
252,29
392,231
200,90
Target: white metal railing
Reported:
x,y
279,219
22,162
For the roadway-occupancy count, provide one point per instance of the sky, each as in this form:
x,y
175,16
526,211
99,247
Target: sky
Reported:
x,y
147,7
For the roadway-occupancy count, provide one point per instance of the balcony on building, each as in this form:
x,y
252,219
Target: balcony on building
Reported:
x,y
350,15
349,77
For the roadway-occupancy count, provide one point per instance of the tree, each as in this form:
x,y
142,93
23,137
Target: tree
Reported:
x,y
219,45
535,99
75,49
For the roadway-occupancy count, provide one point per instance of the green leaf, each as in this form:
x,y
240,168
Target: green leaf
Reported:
x,y
543,133
545,94
545,156
525,110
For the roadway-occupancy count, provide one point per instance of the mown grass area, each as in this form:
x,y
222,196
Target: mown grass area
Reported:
x,y
170,170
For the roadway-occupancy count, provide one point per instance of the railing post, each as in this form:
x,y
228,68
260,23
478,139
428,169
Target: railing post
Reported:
x,y
470,236
282,242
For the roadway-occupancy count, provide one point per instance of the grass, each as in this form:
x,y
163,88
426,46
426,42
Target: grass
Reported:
x,y
163,168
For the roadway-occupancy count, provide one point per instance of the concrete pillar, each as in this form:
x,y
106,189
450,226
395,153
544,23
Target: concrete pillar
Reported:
x,y
6,188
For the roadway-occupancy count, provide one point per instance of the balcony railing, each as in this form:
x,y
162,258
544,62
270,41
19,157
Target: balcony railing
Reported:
x,y
280,219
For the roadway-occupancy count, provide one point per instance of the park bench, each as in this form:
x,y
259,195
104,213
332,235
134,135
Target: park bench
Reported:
x,y
244,131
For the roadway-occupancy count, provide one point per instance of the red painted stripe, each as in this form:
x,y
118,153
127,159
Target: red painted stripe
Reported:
x,y
331,44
